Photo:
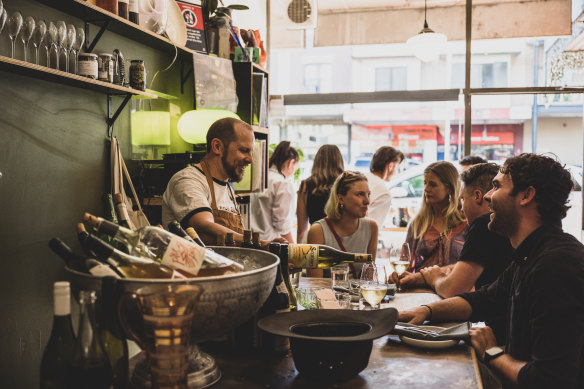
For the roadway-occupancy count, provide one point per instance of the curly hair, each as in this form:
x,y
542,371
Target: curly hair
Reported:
x,y
552,183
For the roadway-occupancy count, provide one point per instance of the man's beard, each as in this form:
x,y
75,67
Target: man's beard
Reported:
x,y
231,170
504,220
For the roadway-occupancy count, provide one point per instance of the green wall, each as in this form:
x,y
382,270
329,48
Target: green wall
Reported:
x,y
53,160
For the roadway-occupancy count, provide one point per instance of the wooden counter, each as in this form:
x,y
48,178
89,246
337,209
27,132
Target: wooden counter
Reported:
x,y
391,365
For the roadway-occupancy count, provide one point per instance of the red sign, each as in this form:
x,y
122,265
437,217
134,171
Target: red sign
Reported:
x,y
193,17
482,138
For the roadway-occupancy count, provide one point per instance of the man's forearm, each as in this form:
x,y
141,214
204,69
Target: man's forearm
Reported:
x,y
507,367
455,308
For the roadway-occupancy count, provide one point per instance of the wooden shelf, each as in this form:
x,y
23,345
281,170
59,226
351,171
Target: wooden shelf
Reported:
x,y
94,14
61,77
261,130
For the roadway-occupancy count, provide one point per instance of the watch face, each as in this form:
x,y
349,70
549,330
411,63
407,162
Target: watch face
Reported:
x,y
493,352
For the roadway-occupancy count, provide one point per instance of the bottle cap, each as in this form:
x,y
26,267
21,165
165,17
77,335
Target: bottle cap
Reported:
x,y
61,288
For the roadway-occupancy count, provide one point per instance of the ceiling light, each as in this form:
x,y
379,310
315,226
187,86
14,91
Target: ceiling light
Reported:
x,y
427,44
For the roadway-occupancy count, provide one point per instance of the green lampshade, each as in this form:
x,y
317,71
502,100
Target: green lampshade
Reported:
x,y
193,125
150,128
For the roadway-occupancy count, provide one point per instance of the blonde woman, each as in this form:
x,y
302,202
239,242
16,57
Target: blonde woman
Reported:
x,y
345,226
436,235
314,191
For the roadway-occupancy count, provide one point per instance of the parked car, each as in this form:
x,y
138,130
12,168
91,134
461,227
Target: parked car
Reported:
x,y
362,163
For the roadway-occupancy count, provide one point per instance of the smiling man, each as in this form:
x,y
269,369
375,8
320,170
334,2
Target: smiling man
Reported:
x,y
201,196
541,293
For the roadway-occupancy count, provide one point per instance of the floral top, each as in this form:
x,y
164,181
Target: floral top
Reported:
x,y
436,248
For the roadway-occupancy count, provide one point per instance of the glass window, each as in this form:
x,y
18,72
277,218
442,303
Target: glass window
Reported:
x,y
317,78
391,78
483,75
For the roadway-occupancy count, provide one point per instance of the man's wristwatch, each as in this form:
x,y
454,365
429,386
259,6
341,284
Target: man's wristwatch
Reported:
x,y
492,353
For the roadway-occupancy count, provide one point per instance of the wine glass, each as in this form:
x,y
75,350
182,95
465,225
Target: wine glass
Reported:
x,y
69,42
400,259
51,40
78,44
3,17
373,284
1,9
61,38
26,33
37,37
14,26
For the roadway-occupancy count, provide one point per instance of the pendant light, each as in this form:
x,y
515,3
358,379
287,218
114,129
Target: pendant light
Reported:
x,y
427,44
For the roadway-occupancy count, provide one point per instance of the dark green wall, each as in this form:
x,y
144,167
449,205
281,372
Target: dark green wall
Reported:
x,y
53,160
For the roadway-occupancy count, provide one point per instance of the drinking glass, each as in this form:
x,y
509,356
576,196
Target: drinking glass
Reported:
x,y
69,42
3,17
37,37
1,9
14,26
61,38
373,284
400,259
51,40
26,33
77,45
340,276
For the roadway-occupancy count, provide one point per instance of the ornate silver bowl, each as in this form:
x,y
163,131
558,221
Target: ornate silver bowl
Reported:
x,y
226,302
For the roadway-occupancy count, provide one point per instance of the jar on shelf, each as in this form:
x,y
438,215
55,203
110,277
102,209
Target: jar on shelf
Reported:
x,y
87,65
137,74
108,5
105,67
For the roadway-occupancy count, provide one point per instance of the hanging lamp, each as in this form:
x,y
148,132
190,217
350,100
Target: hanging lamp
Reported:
x,y
427,44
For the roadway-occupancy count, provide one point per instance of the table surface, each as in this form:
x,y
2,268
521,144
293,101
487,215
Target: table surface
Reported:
x,y
391,365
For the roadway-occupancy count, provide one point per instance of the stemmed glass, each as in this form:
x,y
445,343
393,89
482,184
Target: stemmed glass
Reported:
x,y
14,26
26,33
69,42
77,45
50,41
37,37
1,11
3,17
61,38
400,259
373,284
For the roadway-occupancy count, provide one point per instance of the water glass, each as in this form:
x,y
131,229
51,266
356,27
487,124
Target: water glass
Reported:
x,y
306,298
344,300
340,276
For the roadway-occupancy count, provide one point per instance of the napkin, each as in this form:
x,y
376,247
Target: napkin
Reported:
x,y
459,331
327,299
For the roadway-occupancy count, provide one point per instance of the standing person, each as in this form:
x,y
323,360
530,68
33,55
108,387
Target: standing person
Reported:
x,y
541,293
346,226
470,160
273,211
201,196
384,165
485,254
314,191
436,234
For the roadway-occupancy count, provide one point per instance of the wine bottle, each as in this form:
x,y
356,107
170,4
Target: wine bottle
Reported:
x,y
318,256
155,243
255,240
213,265
229,241
58,353
101,269
283,253
247,239
72,260
194,236
134,11
90,367
128,265
122,211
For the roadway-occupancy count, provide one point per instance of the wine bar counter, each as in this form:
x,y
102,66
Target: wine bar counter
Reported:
x,y
392,363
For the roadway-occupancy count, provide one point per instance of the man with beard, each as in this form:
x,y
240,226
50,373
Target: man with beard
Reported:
x,y
201,196
541,292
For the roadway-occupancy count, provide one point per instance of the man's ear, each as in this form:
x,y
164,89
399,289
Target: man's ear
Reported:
x,y
526,196
478,197
217,146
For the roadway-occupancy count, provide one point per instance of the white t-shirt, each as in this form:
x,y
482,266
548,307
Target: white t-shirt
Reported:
x,y
273,212
188,193
380,199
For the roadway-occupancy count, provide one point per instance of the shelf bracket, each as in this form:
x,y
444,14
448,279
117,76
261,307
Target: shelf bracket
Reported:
x,y
112,119
90,46
183,76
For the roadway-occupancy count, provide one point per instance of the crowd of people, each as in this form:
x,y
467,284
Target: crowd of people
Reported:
x,y
488,240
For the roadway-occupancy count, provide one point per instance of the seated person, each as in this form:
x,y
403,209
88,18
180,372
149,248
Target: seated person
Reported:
x,y
346,228
436,234
541,293
484,255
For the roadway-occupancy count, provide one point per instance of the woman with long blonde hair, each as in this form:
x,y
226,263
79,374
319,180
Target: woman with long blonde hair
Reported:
x,y
436,235
314,191
346,226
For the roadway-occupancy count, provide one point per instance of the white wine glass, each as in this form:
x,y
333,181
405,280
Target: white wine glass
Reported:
x,y
26,33
77,45
1,9
3,17
69,42
14,26
399,258
61,38
51,39
37,37
373,284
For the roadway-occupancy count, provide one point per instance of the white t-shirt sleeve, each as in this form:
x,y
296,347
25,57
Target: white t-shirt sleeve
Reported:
x,y
187,194
283,206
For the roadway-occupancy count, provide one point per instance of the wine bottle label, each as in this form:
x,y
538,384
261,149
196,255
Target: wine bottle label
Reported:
x,y
177,276
303,255
281,288
361,257
183,255
103,271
